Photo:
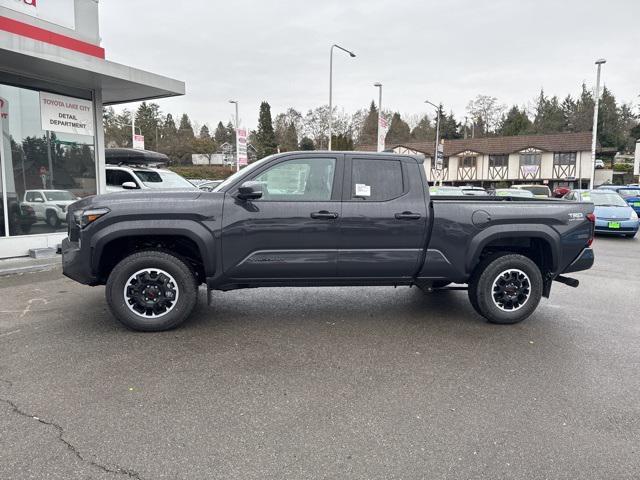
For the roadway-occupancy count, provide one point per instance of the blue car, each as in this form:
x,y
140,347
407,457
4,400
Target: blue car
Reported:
x,y
613,214
630,193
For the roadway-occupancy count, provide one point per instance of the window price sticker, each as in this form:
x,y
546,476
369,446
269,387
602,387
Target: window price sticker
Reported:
x,y
363,190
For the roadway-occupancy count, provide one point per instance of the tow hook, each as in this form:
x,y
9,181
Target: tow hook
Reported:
x,y
572,282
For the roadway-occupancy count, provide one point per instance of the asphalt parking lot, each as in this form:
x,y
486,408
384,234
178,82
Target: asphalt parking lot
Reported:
x,y
325,383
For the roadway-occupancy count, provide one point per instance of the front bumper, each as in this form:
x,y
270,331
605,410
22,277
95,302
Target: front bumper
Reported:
x,y
625,226
583,262
75,265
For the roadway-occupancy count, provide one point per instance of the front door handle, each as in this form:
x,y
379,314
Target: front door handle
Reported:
x,y
325,215
407,216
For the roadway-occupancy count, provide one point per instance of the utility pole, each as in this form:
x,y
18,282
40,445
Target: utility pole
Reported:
x,y
351,54
379,85
594,134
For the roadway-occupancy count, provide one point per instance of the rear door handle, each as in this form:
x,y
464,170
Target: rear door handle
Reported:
x,y
407,216
325,215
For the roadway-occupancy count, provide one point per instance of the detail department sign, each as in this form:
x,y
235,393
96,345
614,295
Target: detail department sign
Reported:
x,y
65,114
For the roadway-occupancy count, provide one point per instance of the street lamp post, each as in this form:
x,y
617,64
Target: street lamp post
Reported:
x,y
435,154
379,85
331,85
237,124
594,133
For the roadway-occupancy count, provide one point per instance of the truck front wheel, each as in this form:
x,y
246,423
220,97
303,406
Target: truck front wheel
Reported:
x,y
151,291
506,288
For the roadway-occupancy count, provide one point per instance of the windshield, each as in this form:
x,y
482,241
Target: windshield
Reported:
x,y
163,179
514,193
445,191
241,172
629,192
537,190
604,199
59,196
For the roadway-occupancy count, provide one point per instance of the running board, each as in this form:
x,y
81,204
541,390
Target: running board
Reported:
x,y
572,282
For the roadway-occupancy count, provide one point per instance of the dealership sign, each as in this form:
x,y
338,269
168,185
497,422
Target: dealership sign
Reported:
x,y
59,12
241,139
138,142
65,114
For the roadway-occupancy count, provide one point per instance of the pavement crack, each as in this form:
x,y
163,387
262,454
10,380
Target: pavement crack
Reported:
x,y
72,448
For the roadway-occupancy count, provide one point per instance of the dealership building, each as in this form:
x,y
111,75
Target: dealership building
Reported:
x,y
54,82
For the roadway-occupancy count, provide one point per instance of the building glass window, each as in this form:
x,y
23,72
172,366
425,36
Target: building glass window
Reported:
x,y
530,159
43,171
564,158
498,160
467,162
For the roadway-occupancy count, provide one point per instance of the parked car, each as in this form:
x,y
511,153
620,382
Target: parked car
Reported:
x,y
599,163
209,185
141,177
445,190
539,191
560,192
49,205
469,190
631,194
375,225
513,192
613,214
21,217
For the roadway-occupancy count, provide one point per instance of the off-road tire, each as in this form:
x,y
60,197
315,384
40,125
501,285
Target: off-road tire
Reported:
x,y
185,286
483,288
52,219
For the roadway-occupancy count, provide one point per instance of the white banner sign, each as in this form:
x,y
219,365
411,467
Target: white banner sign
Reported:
x,y
636,163
440,157
59,12
138,142
241,145
66,114
383,128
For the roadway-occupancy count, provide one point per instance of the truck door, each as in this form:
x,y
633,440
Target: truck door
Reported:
x,y
292,231
384,218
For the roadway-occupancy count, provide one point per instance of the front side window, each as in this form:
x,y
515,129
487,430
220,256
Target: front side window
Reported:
x,y
115,178
306,179
376,180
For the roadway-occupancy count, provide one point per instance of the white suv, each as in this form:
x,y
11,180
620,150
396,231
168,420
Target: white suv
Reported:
x,y
134,177
49,205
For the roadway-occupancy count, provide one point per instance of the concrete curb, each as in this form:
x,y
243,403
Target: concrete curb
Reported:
x,y
14,266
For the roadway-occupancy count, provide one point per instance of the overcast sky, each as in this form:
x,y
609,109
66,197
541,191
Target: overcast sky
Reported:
x,y
419,49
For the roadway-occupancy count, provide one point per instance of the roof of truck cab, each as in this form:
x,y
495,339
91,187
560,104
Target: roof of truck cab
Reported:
x,y
365,155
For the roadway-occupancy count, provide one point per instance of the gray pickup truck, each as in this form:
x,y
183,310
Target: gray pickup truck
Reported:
x,y
322,219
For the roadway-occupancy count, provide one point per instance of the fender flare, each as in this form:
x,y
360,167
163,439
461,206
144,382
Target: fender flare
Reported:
x,y
194,231
497,232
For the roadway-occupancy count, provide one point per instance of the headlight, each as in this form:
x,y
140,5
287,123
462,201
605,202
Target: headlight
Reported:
x,y
61,207
85,217
633,216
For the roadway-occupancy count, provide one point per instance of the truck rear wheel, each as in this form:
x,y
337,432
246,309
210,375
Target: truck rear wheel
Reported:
x,y
151,291
506,288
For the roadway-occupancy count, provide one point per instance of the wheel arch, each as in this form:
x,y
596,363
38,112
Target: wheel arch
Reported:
x,y
184,238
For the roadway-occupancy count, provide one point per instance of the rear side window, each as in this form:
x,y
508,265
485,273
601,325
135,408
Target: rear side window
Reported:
x,y
376,180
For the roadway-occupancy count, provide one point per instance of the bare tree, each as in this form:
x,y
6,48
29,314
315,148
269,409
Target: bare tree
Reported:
x,y
485,110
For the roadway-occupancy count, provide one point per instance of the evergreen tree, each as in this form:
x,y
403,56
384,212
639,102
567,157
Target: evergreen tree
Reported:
x,y
610,132
399,131
266,137
549,116
342,142
231,135
516,122
449,127
149,120
306,144
220,135
186,129
204,132
583,114
368,134
289,140
423,131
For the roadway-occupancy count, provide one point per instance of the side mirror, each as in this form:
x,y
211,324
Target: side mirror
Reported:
x,y
129,185
250,191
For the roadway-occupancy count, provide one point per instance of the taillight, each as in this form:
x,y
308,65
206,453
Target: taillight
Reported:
x,y
592,218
